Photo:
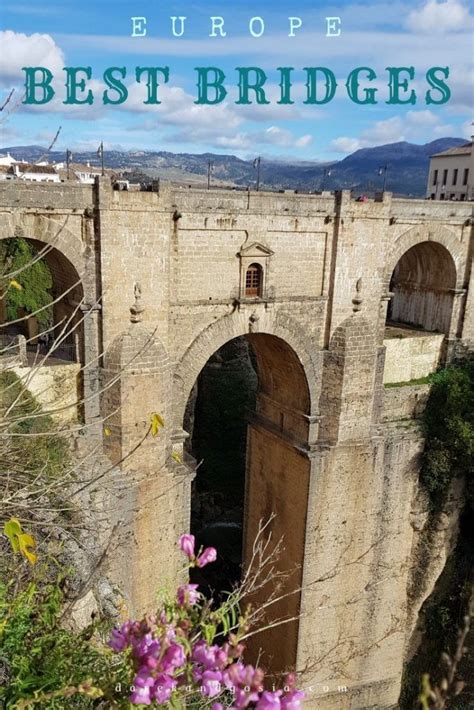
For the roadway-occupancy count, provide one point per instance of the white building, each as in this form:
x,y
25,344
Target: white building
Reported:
x,y
79,172
7,160
451,175
12,169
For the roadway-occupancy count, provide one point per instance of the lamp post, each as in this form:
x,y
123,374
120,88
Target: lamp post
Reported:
x,y
100,153
326,173
256,164
210,166
383,171
68,163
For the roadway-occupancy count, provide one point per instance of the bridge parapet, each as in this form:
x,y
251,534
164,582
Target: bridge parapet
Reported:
x,y
408,208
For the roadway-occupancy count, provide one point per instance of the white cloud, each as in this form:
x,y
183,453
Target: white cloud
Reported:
x,y
242,140
19,50
217,126
304,141
345,145
414,126
439,17
467,129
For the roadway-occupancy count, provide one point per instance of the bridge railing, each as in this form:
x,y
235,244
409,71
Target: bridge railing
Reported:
x,y
13,349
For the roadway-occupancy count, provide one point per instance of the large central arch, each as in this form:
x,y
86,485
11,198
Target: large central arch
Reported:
x,y
277,477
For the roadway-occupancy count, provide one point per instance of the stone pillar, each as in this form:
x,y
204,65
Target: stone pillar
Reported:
x,y
347,637
148,508
90,358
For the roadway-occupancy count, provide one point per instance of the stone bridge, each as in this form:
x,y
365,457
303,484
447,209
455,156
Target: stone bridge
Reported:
x,y
156,282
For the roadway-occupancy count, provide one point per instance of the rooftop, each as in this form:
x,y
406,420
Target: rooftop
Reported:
x,y
465,149
32,168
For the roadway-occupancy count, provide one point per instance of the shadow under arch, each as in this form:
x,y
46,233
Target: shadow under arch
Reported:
x,y
277,473
423,283
67,296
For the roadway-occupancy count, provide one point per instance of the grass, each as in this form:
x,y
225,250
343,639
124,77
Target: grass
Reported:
x,y
427,380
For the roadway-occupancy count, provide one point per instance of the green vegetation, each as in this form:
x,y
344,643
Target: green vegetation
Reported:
x,y
448,423
32,281
34,446
419,381
39,656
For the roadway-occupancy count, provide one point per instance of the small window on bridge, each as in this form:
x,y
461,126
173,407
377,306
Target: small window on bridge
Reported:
x,y
253,281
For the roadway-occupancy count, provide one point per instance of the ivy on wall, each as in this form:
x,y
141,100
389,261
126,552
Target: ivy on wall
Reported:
x,y
33,281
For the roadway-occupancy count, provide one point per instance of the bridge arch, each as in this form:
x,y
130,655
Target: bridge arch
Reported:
x,y
231,326
424,273
277,469
57,234
67,297
429,232
423,284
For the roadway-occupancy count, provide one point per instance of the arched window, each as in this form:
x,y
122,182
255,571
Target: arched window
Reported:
x,y
254,281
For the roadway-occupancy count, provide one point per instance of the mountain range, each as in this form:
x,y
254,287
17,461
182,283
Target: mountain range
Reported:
x,y
406,174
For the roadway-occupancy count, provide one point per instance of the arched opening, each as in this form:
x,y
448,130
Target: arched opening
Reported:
x,y
254,281
247,417
41,297
419,313
422,284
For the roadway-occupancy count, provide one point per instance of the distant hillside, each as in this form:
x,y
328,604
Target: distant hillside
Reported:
x,y
407,167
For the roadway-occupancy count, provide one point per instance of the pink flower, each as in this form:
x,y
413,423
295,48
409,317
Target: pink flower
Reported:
x,y
233,675
119,641
209,555
204,654
291,701
163,688
186,543
269,701
173,658
141,692
187,594
211,683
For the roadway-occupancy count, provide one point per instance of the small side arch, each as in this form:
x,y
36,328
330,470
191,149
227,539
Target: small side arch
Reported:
x,y
426,233
47,232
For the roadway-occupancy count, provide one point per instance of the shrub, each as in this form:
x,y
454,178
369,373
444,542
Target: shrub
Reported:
x,y
449,430
188,654
40,659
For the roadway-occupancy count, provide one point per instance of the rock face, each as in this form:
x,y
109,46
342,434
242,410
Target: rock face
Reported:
x,y
435,537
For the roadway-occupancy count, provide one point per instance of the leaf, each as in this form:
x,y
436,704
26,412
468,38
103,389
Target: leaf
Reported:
x,y
26,542
176,457
107,431
12,529
21,542
156,423
15,284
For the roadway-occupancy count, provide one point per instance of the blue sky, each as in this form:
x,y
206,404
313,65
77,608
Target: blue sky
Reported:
x,y
376,34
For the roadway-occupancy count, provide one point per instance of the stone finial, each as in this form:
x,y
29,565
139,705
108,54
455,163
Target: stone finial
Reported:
x,y
357,300
253,322
136,310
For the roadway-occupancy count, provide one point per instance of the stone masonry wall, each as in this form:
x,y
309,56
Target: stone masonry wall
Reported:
x,y
180,255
